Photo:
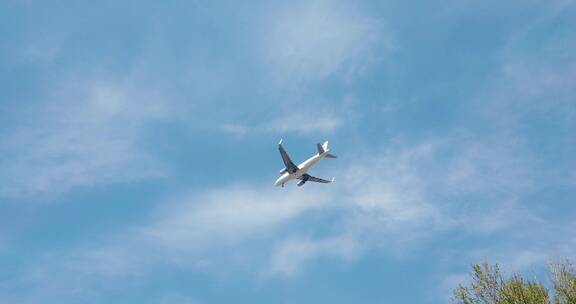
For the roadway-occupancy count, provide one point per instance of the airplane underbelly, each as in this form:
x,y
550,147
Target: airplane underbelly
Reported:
x,y
300,172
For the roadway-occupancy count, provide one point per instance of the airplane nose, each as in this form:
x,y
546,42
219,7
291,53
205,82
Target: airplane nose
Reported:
x,y
279,181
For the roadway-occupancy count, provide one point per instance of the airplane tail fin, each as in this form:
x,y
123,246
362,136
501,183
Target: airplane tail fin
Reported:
x,y
324,148
320,148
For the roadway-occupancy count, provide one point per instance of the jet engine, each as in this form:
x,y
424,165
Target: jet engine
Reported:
x,y
283,171
300,183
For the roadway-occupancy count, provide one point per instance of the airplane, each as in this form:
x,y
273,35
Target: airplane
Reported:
x,y
291,171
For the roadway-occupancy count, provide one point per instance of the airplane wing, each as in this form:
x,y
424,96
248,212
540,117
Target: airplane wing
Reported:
x,y
290,166
307,177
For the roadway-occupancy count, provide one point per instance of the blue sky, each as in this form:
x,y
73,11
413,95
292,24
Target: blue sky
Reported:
x,y
138,148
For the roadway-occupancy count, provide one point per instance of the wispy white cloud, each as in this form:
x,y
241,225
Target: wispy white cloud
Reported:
x,y
305,123
313,40
525,89
198,231
299,123
230,215
384,203
389,202
235,129
289,257
229,229
86,133
530,89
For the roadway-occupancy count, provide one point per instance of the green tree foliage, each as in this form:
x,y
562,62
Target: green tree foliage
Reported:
x,y
488,286
564,281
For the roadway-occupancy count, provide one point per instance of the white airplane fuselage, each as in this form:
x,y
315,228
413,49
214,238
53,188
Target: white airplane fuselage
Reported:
x,y
302,169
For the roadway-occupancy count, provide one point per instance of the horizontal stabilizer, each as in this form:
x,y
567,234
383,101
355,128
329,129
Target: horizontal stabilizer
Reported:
x,y
330,155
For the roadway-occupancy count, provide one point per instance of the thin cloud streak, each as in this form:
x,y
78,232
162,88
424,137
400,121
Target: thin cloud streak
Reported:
x,y
290,123
290,256
89,133
313,41
483,183
383,204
